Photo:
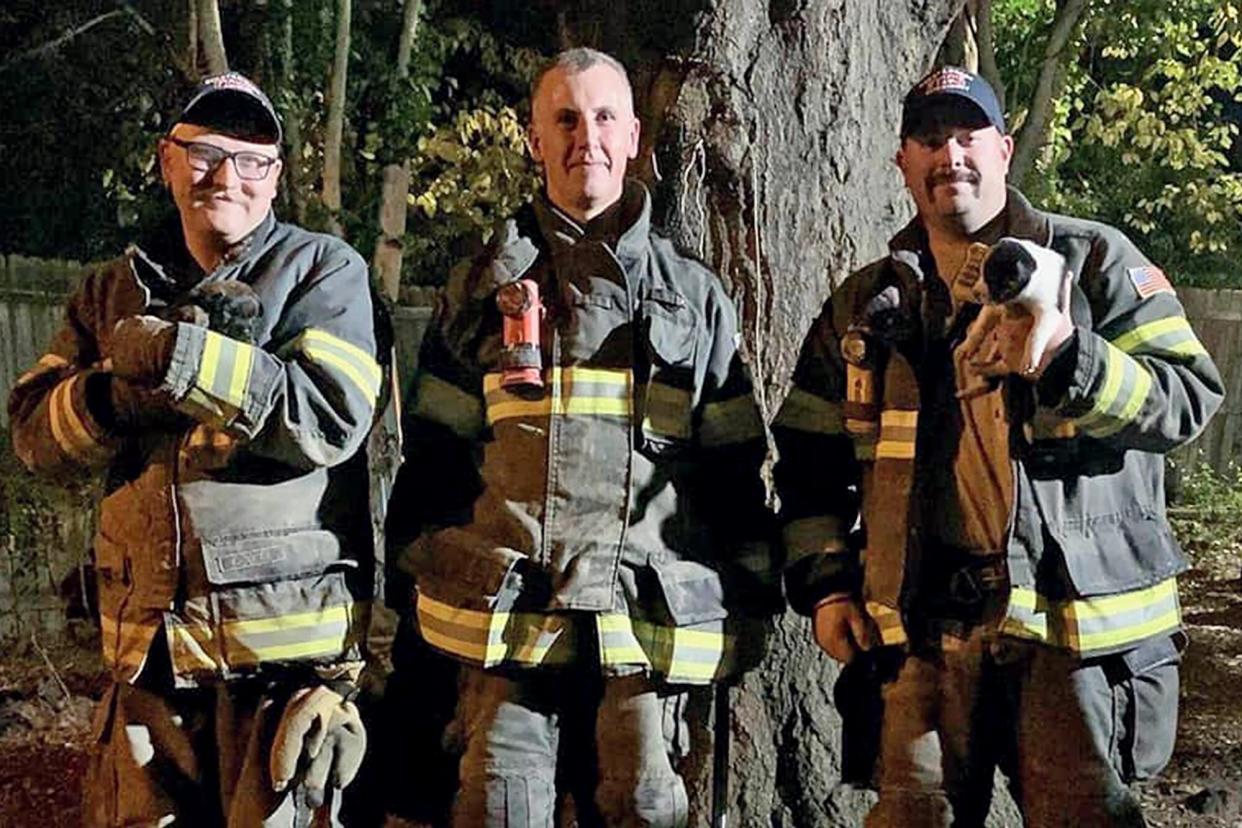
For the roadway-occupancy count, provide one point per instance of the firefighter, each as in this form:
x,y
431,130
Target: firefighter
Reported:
x,y
1015,594
219,377
594,539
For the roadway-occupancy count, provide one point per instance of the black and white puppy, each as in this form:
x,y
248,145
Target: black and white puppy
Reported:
x,y
1018,274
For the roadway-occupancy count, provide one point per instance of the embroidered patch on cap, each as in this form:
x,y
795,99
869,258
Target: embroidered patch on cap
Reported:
x,y
1149,280
947,78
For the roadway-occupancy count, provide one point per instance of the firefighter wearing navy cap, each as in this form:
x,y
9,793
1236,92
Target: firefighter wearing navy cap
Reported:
x,y
594,538
1011,587
219,378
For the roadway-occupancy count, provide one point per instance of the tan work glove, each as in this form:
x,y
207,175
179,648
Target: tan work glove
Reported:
x,y
321,735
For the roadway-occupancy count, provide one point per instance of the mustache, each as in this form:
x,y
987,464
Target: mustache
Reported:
x,y
954,176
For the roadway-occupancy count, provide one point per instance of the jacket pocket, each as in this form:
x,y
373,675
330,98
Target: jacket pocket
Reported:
x,y
456,567
1145,689
1119,553
671,333
270,556
693,592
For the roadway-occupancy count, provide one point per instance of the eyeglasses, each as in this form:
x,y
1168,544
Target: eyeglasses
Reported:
x,y
252,166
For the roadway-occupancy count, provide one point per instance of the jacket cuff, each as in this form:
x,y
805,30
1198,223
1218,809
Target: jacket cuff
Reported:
x,y
813,579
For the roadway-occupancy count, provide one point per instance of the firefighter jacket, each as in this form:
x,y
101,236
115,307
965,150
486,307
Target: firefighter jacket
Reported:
x,y
627,488
230,536
1091,558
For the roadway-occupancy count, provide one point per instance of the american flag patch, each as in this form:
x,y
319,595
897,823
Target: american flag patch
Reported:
x,y
1149,280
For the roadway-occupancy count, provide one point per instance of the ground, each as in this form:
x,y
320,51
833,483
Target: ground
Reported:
x,y
46,698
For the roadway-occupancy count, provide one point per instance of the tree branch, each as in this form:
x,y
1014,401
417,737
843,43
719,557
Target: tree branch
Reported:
x,y
53,45
986,37
1034,133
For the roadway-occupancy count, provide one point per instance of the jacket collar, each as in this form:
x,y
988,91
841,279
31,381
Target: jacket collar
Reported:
x,y
625,227
164,267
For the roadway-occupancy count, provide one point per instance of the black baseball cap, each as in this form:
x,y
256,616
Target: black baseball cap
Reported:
x,y
946,85
235,104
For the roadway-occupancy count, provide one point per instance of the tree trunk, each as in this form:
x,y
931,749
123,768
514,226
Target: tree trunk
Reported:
x,y
396,184
191,51
331,193
1034,133
961,45
295,189
781,176
986,36
211,38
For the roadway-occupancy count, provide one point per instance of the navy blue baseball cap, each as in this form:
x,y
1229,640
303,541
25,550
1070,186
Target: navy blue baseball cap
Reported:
x,y
948,85
235,104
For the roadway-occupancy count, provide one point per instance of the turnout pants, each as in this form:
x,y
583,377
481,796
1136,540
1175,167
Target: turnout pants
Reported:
x,y
192,758
1068,733
613,737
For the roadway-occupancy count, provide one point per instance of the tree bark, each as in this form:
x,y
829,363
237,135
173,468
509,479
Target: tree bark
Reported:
x,y
331,193
294,185
961,47
191,50
986,36
211,37
396,182
779,173
1034,132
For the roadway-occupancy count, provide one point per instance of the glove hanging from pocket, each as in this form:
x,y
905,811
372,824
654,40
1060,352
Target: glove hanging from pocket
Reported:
x,y
320,736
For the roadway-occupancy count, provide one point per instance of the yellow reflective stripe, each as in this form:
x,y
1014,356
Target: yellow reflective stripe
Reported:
x,y
442,402
1088,625
898,428
209,361
1107,416
364,360
125,643
325,357
68,430
804,411
488,652
602,392
356,364
888,622
899,417
667,411
1147,333
569,375
239,356
1132,634
630,652
45,364
895,449
283,623
735,420
568,405
243,363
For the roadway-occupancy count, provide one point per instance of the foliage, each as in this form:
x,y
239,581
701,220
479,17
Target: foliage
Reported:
x,y
468,174
1207,512
78,172
1145,128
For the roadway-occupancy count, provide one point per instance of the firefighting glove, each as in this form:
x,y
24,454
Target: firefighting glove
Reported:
x,y
141,349
321,735
123,407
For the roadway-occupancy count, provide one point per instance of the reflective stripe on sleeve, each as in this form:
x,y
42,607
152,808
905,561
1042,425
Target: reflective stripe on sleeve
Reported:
x,y
804,411
343,358
442,402
1171,336
731,421
1121,395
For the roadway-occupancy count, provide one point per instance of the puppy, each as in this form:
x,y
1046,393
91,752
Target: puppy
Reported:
x,y
231,308
1016,275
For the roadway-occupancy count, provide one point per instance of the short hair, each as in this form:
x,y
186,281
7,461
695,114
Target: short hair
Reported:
x,y
579,59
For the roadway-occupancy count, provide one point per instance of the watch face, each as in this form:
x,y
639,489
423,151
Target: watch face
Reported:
x,y
513,300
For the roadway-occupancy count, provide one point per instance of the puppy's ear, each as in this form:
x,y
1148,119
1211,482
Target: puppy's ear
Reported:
x,y
1008,269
